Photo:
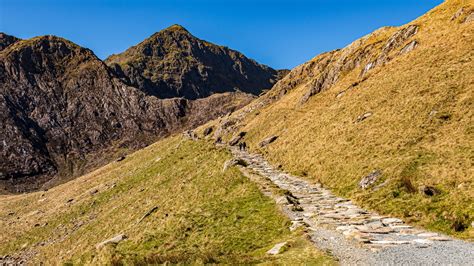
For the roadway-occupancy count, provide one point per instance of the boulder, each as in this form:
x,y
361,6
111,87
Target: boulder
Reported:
x,y
429,191
233,162
277,249
370,179
267,141
364,116
114,240
237,138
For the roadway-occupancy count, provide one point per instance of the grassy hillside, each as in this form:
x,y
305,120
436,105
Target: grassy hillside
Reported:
x,y
202,214
418,130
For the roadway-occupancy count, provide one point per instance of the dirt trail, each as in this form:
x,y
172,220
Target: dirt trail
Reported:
x,y
352,234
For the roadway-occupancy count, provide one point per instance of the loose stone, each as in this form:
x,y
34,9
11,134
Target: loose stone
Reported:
x,y
277,249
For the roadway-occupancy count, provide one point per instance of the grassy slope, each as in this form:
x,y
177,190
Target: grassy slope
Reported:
x,y
203,214
420,134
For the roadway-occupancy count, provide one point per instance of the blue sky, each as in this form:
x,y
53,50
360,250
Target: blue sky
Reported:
x,y
279,33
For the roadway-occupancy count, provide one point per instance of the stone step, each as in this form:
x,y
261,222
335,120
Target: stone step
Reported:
x,y
316,207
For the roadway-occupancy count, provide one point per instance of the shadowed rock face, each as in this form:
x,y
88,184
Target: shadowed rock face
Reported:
x,y
63,111
174,63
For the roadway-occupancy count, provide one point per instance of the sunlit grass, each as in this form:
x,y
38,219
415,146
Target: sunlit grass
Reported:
x,y
204,215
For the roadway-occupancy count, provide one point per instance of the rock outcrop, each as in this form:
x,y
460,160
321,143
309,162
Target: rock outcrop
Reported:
x,y
363,55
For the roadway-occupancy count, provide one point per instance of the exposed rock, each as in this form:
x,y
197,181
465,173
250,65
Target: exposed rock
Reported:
x,y
469,18
114,240
323,71
121,159
277,249
370,179
237,138
409,47
399,37
190,134
340,94
267,141
207,131
364,116
396,40
233,162
429,190
367,67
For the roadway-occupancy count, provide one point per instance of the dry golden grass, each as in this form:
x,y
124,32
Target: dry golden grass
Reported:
x,y
203,215
420,133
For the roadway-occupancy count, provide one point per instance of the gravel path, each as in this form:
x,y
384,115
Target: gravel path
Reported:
x,y
350,233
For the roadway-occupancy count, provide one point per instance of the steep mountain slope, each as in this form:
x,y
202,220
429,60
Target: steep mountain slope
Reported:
x,y
197,213
174,63
393,109
63,112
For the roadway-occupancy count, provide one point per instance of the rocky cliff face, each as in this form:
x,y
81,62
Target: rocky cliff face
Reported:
x,y
174,63
64,111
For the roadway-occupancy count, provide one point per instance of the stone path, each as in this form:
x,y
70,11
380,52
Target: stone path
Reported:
x,y
350,233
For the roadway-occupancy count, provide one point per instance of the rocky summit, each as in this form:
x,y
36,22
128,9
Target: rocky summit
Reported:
x,y
64,111
174,63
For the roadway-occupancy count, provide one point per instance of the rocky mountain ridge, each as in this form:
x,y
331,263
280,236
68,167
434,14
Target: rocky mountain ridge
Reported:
x,y
64,111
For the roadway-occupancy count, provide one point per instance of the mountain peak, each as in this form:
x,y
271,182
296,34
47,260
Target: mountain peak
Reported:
x,y
174,63
173,30
50,45
176,28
